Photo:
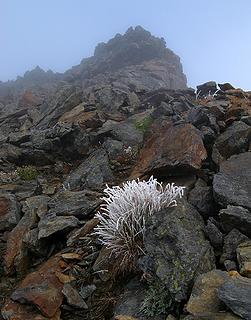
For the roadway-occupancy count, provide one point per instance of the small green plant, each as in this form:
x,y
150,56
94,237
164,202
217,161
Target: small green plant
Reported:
x,y
157,300
143,125
27,173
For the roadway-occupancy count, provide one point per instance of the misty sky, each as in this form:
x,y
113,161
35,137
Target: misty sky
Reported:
x,y
213,38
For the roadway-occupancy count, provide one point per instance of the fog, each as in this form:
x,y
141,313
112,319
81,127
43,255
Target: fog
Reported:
x,y
212,38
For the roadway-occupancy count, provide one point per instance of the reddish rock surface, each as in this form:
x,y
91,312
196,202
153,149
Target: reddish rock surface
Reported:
x,y
16,311
16,256
171,149
41,288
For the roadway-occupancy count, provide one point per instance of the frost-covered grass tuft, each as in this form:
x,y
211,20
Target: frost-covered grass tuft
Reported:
x,y
124,213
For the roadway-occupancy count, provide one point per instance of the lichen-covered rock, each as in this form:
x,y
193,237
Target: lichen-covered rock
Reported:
x,y
177,251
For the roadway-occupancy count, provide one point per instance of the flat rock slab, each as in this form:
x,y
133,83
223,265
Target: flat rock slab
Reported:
x,y
51,224
74,203
232,183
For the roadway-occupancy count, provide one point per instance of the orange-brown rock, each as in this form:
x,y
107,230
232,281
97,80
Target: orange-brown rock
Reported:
x,y
16,311
171,150
42,288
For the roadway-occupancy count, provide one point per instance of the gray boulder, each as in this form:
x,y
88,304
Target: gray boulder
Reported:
x,y
236,217
177,251
231,184
236,293
234,140
92,173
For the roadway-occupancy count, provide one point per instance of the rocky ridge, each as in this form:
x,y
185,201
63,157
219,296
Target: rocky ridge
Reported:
x,y
124,113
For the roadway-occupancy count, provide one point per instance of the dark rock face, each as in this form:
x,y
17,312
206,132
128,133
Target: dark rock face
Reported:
x,y
232,183
236,293
182,252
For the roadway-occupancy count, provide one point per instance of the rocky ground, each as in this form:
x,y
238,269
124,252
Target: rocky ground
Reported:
x,y
124,113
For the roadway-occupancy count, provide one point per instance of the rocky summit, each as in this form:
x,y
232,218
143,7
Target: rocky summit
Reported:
x,y
122,114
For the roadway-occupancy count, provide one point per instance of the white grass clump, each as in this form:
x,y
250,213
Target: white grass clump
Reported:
x,y
123,215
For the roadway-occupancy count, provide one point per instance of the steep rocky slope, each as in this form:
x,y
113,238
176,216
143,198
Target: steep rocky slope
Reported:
x,y
122,114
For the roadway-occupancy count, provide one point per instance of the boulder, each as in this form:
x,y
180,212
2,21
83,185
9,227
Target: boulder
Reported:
x,y
234,140
79,204
231,241
204,298
225,86
92,173
176,249
231,184
236,293
236,217
51,224
171,150
207,88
